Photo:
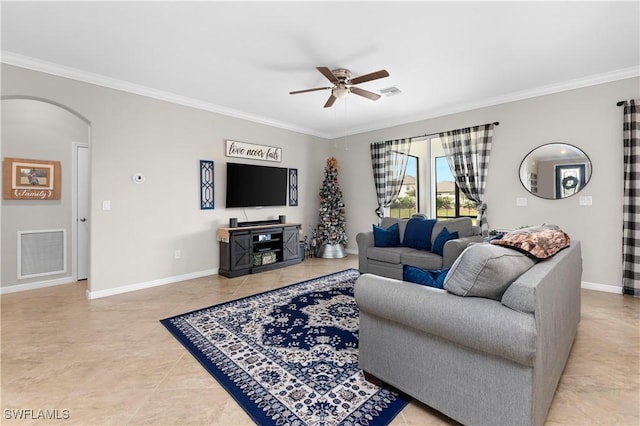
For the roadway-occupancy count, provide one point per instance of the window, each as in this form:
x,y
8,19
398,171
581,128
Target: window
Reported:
x,y
407,203
449,201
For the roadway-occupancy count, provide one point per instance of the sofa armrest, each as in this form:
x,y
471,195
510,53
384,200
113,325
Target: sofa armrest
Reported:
x,y
453,249
364,240
557,314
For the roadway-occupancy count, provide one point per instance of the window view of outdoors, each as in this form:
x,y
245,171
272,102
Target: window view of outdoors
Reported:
x,y
450,201
407,202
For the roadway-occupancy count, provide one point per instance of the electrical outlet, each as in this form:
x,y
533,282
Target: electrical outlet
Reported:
x,y
521,201
176,254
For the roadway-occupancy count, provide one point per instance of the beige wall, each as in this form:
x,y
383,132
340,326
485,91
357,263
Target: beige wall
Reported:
x,y
135,241
587,118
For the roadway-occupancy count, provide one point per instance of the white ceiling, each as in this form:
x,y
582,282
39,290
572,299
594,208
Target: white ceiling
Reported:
x,y
243,58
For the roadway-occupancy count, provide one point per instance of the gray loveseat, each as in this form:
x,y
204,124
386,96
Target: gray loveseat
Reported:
x,y
389,261
475,359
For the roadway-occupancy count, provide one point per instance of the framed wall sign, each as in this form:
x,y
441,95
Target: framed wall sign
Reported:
x,y
25,179
253,152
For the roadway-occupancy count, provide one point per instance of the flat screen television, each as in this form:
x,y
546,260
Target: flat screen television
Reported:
x,y
249,185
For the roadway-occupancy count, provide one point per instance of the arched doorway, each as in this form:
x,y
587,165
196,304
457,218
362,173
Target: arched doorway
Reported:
x,y
40,129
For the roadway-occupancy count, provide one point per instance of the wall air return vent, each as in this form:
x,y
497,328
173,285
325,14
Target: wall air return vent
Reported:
x,y
42,252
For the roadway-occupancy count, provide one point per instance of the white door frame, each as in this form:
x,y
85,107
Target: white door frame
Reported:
x,y
75,219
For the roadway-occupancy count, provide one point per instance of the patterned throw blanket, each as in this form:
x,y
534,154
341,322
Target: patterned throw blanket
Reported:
x,y
539,242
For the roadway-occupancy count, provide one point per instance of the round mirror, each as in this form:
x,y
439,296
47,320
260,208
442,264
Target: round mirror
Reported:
x,y
555,171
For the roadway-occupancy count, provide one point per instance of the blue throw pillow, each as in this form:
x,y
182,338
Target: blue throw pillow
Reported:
x,y
498,236
441,239
417,233
389,237
424,277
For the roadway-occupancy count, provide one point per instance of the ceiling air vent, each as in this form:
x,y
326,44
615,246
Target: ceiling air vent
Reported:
x,y
391,91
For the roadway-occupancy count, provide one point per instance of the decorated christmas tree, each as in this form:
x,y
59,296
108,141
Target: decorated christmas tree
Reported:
x,y
331,227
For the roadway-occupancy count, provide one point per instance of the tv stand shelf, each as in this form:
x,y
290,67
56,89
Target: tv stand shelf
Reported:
x,y
251,249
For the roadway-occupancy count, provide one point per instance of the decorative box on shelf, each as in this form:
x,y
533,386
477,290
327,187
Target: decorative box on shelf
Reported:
x,y
268,258
260,259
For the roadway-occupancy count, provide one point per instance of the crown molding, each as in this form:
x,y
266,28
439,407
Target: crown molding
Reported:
x,y
34,64
587,81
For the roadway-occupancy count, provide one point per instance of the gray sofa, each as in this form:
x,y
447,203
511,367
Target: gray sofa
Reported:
x,y
389,261
477,360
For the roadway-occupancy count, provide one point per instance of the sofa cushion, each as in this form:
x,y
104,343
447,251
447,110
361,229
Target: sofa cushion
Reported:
x,y
431,278
417,233
386,222
521,296
441,239
389,237
486,270
387,254
461,225
421,259
539,242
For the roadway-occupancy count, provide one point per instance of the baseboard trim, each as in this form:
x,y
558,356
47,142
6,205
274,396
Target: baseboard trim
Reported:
x,y
174,279
149,284
36,285
601,287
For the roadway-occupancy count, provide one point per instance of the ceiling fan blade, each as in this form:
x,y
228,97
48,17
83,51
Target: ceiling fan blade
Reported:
x,y
371,76
309,90
330,101
327,73
367,94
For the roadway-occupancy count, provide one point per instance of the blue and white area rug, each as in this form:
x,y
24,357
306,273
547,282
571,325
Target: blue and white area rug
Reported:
x,y
290,356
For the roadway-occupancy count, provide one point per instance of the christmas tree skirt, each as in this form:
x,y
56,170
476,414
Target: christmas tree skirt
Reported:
x,y
331,251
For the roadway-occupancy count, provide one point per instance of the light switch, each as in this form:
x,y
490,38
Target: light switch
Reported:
x,y
106,204
586,200
521,201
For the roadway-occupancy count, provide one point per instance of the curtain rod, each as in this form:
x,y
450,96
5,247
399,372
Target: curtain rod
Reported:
x,y
620,103
495,123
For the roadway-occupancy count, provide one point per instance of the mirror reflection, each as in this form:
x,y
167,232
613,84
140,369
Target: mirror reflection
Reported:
x,y
555,171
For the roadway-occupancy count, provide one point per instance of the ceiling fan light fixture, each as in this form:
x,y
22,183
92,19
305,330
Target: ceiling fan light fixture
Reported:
x,y
340,92
343,84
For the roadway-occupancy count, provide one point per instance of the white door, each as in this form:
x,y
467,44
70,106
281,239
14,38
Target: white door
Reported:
x,y
82,219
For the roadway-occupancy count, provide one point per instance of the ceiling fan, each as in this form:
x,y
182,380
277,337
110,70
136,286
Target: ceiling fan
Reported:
x,y
343,84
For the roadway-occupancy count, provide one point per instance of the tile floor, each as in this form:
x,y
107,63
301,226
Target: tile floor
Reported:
x,y
109,361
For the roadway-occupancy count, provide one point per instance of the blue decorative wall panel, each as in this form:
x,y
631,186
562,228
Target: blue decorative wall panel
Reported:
x,y
293,187
206,185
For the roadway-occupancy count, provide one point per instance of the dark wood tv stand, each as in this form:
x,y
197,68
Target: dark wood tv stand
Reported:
x,y
252,249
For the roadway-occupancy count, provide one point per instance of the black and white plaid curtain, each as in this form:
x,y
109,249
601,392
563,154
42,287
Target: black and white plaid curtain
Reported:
x,y
468,152
631,204
389,162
